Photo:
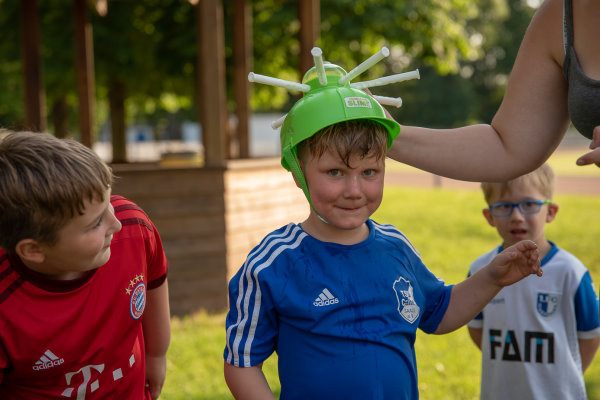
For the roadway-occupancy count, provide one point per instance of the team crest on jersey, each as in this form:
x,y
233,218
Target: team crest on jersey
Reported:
x,y
137,301
407,306
136,290
547,303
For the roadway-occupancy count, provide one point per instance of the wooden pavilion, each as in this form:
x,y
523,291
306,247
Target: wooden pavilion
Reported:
x,y
209,217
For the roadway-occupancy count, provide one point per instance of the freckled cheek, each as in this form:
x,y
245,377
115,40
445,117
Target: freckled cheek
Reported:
x,y
326,193
375,194
374,204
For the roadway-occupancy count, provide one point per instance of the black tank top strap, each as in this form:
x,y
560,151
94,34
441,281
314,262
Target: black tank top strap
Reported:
x,y
567,32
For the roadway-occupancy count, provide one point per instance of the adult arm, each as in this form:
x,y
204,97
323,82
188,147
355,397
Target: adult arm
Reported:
x,y
527,127
587,350
469,297
476,335
247,383
157,336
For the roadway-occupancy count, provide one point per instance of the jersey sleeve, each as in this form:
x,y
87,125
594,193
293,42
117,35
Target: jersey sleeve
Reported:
x,y
141,228
437,295
586,309
251,324
157,260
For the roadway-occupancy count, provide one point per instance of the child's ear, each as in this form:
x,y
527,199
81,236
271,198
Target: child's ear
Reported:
x,y
30,250
488,216
552,210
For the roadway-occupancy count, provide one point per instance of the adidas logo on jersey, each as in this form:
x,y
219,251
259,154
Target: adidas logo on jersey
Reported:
x,y
325,299
48,360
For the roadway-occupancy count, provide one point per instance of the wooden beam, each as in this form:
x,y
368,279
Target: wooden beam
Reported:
x,y
242,65
84,67
35,99
310,27
212,107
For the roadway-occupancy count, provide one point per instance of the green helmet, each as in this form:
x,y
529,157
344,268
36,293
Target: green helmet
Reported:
x,y
322,106
330,98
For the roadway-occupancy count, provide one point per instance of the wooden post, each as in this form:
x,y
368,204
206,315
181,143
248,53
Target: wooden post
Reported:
x,y
212,107
35,99
310,27
242,65
116,102
84,66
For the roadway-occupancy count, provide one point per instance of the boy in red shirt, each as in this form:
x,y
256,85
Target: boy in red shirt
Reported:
x,y
84,310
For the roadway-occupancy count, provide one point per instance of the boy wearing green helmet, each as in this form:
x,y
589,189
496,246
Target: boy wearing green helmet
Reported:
x,y
339,297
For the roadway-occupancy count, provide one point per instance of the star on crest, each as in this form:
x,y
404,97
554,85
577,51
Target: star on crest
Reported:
x,y
133,282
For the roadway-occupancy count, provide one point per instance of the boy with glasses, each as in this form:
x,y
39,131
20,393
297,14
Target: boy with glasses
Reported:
x,y
537,336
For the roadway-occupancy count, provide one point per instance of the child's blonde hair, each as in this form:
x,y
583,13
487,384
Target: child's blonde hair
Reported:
x,y
360,137
542,179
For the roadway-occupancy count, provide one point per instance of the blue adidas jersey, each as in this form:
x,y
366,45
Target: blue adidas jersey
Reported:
x,y
342,319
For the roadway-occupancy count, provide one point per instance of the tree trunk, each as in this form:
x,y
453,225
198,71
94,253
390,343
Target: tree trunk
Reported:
x,y
116,99
59,115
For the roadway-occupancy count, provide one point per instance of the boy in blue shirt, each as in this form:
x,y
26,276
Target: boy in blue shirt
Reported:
x,y
339,297
536,330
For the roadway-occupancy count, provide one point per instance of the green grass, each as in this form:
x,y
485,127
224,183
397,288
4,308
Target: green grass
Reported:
x,y
563,163
448,229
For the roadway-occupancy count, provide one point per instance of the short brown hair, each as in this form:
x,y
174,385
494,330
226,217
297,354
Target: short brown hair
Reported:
x,y
541,179
360,137
44,183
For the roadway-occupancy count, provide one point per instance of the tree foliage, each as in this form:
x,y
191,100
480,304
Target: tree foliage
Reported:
x,y
463,48
11,82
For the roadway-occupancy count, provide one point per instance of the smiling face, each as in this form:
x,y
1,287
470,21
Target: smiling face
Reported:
x,y
344,195
83,244
516,226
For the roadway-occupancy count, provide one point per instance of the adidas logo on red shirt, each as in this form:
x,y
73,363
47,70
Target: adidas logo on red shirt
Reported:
x,y
48,360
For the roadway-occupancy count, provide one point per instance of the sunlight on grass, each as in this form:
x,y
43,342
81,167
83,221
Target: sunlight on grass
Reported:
x,y
563,163
195,359
447,228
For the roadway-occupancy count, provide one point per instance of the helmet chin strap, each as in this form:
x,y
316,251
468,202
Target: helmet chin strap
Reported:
x,y
294,165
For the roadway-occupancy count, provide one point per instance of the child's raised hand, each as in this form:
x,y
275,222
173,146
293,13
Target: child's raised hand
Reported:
x,y
515,263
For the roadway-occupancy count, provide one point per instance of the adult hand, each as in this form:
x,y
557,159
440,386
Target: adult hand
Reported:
x,y
594,155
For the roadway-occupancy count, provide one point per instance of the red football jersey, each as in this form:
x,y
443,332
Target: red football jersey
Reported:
x,y
81,339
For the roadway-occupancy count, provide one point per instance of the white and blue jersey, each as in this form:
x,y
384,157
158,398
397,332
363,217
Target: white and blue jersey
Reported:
x,y
342,319
530,331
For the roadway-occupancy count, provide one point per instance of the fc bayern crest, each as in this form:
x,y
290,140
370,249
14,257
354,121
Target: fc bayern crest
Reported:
x,y
137,301
547,303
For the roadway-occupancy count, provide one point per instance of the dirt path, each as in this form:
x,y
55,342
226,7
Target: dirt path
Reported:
x,y
572,145
564,184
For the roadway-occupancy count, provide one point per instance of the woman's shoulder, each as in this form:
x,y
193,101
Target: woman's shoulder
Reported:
x,y
552,6
547,25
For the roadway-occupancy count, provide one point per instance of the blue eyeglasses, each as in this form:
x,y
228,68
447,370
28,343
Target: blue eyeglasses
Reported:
x,y
526,207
